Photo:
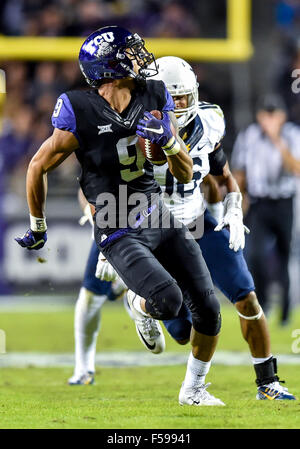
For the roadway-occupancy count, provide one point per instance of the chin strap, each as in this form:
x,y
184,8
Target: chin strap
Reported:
x,y
254,317
140,79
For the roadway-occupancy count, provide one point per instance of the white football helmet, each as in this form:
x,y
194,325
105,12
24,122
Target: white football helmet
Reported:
x,y
179,79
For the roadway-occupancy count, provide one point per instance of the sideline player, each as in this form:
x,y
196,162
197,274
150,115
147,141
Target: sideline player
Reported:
x,y
202,128
100,126
87,317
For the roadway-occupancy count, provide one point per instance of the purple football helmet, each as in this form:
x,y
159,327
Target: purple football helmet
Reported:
x,y
109,53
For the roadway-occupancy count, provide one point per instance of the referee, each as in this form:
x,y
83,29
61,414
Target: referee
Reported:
x,y
265,161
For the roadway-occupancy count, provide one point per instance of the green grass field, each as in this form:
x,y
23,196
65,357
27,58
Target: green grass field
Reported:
x,y
133,397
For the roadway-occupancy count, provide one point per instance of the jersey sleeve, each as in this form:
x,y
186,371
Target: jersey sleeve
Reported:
x,y
217,160
63,116
212,115
169,105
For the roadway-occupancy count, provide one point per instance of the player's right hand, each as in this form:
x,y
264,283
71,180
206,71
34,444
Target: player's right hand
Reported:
x,y
157,131
32,240
104,270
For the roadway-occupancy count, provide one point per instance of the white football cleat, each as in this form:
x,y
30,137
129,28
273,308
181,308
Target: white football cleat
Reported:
x,y
84,379
148,329
197,395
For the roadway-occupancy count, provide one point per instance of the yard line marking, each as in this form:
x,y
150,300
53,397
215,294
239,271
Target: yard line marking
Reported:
x,y
129,358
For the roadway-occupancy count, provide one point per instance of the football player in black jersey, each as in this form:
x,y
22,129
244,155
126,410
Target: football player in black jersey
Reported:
x,y
153,253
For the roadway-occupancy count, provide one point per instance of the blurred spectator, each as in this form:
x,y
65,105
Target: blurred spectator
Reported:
x,y
12,17
17,81
16,137
288,16
265,161
90,15
176,21
52,21
15,142
167,18
45,80
285,78
70,76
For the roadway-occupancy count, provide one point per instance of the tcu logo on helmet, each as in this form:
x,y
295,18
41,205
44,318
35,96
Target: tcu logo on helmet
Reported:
x,y
100,44
102,41
104,49
108,37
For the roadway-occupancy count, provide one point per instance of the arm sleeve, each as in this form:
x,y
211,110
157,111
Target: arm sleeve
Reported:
x,y
169,105
63,116
217,160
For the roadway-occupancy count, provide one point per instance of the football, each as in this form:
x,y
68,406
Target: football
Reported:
x,y
152,151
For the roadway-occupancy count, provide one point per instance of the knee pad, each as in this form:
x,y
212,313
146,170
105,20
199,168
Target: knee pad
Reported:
x,y
166,303
206,316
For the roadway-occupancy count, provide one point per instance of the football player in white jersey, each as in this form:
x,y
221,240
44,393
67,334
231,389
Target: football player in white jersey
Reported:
x,y
202,128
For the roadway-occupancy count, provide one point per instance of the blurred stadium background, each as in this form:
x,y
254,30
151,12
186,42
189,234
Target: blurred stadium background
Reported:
x,y
238,48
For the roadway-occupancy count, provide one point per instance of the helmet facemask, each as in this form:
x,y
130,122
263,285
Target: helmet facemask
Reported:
x,y
180,79
136,51
185,115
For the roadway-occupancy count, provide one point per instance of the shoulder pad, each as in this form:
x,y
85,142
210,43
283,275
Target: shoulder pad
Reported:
x,y
213,119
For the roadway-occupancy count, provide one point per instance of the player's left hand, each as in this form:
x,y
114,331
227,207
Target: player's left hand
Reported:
x,y
87,216
233,218
32,240
157,131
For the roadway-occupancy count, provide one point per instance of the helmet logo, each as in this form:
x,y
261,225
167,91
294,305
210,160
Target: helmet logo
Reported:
x,y
108,37
104,49
102,42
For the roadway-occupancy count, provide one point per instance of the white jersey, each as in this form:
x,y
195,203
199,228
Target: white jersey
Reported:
x,y
185,201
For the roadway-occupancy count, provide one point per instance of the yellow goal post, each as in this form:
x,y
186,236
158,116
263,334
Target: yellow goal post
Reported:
x,y
235,47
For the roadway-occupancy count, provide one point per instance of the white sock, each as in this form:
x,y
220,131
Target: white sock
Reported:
x,y
86,328
256,360
196,371
137,305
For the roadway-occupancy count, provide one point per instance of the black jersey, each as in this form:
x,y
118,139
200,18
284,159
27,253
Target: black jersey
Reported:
x,y
108,151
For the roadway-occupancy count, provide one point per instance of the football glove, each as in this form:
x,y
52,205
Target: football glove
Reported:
x,y
104,270
155,130
32,239
87,216
233,218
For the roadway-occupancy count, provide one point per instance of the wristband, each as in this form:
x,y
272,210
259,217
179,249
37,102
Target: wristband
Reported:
x,y
233,200
38,224
172,147
216,210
